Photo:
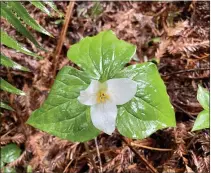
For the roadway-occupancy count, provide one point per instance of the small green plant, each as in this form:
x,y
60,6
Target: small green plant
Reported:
x,y
104,95
9,153
96,9
203,119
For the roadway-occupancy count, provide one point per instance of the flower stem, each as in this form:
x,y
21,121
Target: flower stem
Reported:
x,y
98,154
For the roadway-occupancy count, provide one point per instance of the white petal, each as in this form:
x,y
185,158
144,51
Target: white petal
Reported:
x,y
104,116
88,96
121,90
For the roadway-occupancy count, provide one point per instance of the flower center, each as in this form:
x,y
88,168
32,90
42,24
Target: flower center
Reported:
x,y
102,96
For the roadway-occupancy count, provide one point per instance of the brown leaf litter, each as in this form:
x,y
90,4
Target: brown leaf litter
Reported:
x,y
182,30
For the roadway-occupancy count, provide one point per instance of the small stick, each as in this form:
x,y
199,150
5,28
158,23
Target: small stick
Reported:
x,y
8,132
193,139
90,157
151,168
150,148
160,12
62,37
98,154
181,109
185,71
65,170
93,151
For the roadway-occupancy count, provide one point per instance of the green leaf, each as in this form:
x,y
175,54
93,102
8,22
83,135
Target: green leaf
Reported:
x,y
9,170
7,62
41,6
24,15
203,97
150,109
202,121
10,42
9,153
53,6
5,106
101,56
9,88
61,114
12,19
29,169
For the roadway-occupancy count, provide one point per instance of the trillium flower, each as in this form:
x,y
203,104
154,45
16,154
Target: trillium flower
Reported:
x,y
104,98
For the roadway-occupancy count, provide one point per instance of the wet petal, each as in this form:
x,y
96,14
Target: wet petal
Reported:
x,y
104,117
88,96
121,90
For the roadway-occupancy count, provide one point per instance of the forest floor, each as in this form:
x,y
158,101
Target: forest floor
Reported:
x,y
176,33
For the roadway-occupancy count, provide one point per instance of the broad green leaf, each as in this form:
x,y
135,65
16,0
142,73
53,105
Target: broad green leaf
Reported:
x,y
24,15
13,20
9,153
203,97
41,6
10,42
150,109
202,121
7,62
4,85
101,56
53,6
5,106
61,114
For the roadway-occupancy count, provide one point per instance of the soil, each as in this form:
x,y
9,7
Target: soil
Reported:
x,y
182,57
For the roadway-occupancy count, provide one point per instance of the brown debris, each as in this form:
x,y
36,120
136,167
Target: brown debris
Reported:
x,y
182,29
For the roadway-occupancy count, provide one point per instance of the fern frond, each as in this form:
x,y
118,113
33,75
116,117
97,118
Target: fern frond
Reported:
x,y
179,27
162,49
20,10
20,160
14,13
11,43
4,85
7,62
187,47
5,106
18,139
41,6
14,21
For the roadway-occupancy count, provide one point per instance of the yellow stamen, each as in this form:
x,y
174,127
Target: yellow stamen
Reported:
x,y
102,96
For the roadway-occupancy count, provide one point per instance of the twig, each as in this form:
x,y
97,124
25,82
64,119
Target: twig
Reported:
x,y
188,113
160,12
20,160
184,71
90,157
62,37
70,155
98,154
163,18
193,139
150,148
8,132
152,169
65,170
94,151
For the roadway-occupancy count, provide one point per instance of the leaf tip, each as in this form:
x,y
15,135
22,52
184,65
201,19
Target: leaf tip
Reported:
x,y
22,93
